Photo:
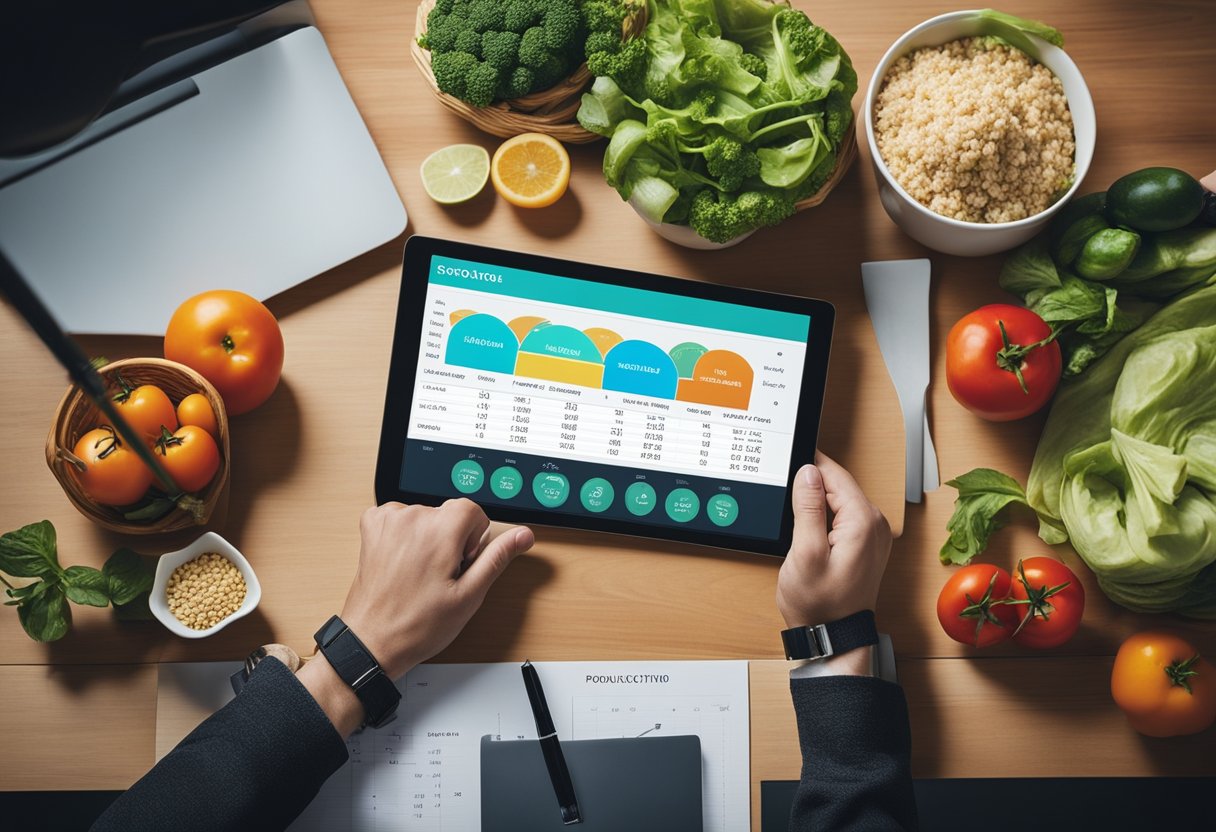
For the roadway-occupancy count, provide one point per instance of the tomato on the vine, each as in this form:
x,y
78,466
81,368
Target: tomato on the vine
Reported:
x,y
1049,601
970,606
196,410
234,341
1002,362
113,475
1163,685
190,456
146,408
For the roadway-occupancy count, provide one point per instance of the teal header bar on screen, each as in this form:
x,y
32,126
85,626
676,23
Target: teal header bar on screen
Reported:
x,y
623,300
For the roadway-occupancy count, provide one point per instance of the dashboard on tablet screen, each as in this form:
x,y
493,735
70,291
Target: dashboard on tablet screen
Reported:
x,y
561,395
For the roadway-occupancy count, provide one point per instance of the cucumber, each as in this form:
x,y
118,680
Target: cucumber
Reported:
x,y
1154,199
1107,253
1066,249
1082,206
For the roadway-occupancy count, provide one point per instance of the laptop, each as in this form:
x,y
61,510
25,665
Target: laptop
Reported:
x,y
253,171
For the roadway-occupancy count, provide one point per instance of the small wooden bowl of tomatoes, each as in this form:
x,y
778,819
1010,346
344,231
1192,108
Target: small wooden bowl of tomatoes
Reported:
x,y
183,419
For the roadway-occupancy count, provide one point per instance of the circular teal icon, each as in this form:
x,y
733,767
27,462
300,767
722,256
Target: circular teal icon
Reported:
x,y
640,498
550,490
596,494
722,509
682,505
467,476
506,482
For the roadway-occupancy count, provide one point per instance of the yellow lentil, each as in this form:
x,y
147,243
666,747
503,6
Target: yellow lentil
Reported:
x,y
203,592
975,131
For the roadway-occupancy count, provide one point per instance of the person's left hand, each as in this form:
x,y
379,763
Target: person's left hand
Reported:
x,y
422,574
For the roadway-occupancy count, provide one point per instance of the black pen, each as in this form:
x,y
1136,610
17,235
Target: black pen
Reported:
x,y
555,761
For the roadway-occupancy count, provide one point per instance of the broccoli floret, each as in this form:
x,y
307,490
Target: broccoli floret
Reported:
x,y
562,26
731,162
443,7
452,71
521,15
468,41
500,50
623,62
838,115
722,217
604,16
484,15
441,32
519,83
755,65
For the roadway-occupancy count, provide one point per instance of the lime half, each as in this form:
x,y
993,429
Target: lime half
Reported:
x,y
455,173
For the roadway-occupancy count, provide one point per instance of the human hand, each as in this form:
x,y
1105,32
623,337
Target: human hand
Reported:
x,y
828,575
422,574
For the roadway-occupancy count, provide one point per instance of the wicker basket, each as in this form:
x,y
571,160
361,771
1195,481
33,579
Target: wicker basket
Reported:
x,y
76,415
549,111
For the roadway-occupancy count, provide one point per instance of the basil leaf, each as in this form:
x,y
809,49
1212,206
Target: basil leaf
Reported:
x,y
127,575
982,495
86,585
136,609
30,552
45,616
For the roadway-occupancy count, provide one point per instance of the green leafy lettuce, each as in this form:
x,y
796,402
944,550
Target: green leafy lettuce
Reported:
x,y
731,113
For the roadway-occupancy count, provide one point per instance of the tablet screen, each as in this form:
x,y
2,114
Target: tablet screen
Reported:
x,y
568,396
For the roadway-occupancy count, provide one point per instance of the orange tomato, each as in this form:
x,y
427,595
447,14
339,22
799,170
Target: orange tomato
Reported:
x,y
196,410
146,409
1163,685
234,341
113,474
190,456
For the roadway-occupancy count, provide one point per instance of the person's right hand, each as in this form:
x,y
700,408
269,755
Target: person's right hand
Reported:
x,y
828,575
422,574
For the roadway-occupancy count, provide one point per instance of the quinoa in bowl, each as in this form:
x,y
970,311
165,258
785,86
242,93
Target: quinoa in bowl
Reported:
x,y
976,130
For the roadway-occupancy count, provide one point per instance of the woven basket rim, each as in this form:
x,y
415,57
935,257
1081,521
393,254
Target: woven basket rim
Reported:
x,y
60,441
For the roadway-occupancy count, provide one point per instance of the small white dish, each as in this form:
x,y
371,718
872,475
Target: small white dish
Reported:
x,y
208,542
972,239
683,235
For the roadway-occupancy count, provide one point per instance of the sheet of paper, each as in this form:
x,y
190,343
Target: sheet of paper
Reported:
x,y
422,771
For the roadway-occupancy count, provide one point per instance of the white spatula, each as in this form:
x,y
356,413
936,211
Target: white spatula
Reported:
x,y
897,297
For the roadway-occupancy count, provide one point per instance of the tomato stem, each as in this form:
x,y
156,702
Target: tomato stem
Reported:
x,y
1181,671
228,344
1036,599
111,442
1010,357
126,389
981,610
166,439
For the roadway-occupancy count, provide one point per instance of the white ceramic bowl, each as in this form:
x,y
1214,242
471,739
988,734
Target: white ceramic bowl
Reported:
x,y
953,236
208,542
683,235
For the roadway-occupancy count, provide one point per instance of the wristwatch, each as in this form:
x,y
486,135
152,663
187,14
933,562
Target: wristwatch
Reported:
x,y
356,666
832,639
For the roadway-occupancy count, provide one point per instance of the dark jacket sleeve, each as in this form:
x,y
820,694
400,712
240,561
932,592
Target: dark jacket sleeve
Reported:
x,y
254,764
855,755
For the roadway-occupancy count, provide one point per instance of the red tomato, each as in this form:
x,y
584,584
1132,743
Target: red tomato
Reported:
x,y
113,474
234,341
196,410
190,456
1000,364
1049,601
969,607
146,409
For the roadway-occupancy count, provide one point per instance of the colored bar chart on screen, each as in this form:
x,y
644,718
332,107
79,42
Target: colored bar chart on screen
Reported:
x,y
533,347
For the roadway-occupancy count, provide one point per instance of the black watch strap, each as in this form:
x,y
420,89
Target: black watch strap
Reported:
x,y
832,639
356,666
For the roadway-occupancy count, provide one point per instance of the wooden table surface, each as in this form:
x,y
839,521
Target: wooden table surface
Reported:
x,y
302,464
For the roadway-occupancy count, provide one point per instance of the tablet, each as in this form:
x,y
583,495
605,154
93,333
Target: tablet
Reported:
x,y
569,394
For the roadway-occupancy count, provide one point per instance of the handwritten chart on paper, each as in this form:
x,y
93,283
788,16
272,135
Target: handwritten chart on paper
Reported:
x,y
422,772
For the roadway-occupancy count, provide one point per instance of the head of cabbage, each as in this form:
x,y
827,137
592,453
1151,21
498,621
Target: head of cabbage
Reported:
x,y
1126,467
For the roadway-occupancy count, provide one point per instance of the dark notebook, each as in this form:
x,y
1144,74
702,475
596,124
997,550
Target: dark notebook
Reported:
x,y
637,784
